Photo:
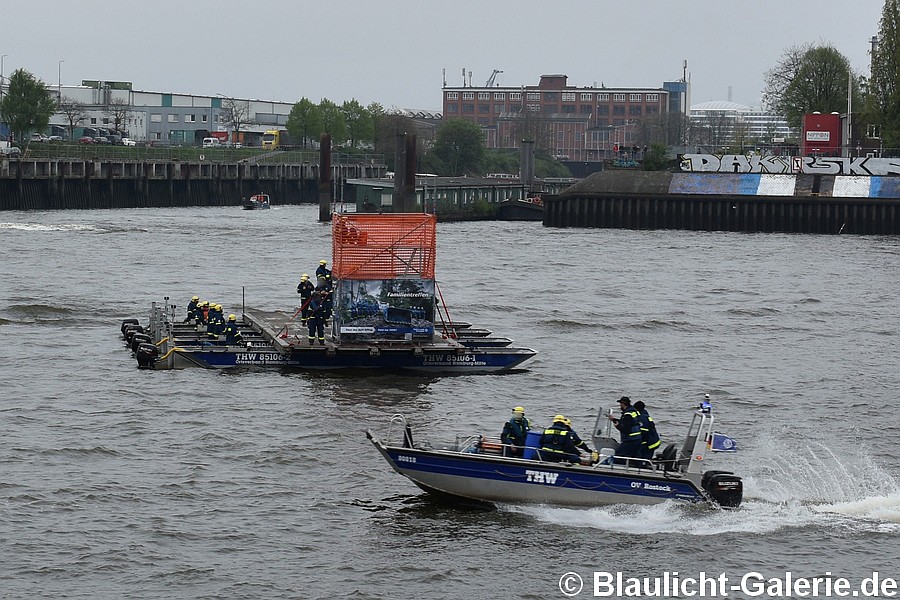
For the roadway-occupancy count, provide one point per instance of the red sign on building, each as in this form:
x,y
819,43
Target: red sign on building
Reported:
x,y
821,135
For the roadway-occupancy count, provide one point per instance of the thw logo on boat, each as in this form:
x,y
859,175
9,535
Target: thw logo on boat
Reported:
x,y
541,477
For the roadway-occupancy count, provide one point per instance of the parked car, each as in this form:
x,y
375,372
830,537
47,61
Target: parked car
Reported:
x,y
8,150
56,138
101,140
85,139
128,142
39,138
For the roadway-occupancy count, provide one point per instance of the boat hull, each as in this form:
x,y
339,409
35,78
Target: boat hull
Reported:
x,y
498,479
473,360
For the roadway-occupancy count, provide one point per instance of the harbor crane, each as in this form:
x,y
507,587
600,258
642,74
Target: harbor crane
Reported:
x,y
492,79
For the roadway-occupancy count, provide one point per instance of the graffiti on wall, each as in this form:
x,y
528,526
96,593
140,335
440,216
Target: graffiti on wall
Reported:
x,y
813,165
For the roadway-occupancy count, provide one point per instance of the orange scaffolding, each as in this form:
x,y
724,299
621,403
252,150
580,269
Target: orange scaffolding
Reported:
x,y
392,246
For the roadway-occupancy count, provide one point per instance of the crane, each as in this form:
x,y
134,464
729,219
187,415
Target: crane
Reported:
x,y
493,78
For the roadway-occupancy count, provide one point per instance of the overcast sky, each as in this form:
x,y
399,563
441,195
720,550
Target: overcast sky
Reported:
x,y
395,52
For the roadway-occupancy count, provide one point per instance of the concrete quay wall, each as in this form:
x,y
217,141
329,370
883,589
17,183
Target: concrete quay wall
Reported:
x,y
43,184
824,204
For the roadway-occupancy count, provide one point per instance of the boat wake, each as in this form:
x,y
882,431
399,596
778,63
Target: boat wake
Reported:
x,y
783,489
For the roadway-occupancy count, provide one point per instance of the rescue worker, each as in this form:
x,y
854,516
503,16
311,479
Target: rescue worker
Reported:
x,y
232,333
192,309
629,430
515,432
323,275
649,438
560,443
317,317
215,322
305,289
203,313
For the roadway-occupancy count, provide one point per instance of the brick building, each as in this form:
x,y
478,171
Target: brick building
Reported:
x,y
579,124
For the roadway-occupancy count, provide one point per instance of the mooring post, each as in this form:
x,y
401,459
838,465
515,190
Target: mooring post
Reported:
x,y
325,177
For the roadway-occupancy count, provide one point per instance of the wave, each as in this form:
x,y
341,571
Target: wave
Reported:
x,y
42,227
752,312
72,227
791,487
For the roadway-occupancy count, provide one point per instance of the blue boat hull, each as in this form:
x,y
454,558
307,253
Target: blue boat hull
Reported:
x,y
514,480
473,360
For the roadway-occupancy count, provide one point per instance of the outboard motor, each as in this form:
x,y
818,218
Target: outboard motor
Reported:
x,y
146,355
137,339
130,330
129,322
724,487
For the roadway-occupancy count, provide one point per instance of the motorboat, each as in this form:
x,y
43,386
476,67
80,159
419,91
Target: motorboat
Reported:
x,y
257,202
480,469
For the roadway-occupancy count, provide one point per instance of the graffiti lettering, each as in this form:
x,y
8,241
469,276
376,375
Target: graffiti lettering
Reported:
x,y
812,165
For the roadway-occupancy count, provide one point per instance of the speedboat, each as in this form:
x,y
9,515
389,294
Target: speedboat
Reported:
x,y
483,470
257,202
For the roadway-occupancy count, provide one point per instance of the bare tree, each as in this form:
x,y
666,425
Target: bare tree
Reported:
x,y
119,111
74,112
782,74
235,114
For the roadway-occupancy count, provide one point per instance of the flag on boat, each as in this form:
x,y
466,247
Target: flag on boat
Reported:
x,y
723,443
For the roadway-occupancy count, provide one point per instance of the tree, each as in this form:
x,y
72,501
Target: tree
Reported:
x,y
655,159
808,79
460,146
235,114
119,111
333,121
359,121
74,112
27,105
304,121
883,93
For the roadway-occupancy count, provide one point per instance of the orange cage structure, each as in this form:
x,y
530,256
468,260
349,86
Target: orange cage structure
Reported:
x,y
383,246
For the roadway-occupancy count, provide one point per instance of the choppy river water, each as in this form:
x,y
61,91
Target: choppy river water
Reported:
x,y
120,483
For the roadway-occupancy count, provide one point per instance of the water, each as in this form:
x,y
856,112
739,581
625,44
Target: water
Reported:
x,y
120,483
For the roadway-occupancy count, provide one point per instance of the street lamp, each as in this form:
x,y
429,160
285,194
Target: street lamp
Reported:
x,y
59,79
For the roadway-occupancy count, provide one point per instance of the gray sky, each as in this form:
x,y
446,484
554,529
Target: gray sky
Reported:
x,y
394,52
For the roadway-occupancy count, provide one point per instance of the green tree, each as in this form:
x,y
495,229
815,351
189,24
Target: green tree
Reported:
x,y
333,121
883,93
808,79
460,147
27,105
304,120
359,121
655,160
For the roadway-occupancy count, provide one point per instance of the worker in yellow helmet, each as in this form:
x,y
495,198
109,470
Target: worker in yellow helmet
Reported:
x,y
323,276
305,289
192,309
515,432
232,333
560,443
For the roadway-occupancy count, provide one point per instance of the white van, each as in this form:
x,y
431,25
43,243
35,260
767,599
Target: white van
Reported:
x,y
211,142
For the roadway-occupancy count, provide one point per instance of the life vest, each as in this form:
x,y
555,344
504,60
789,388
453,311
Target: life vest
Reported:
x,y
633,430
555,440
648,432
515,431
